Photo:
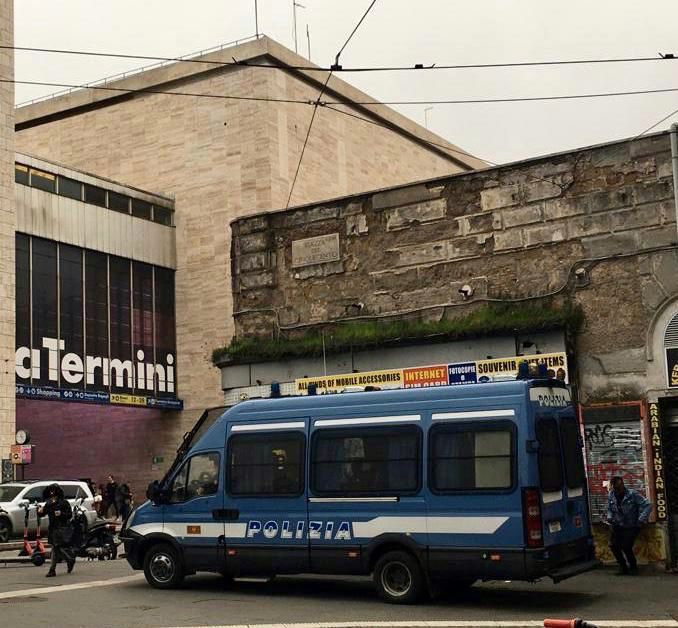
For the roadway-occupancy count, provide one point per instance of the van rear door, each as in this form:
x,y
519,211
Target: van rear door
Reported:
x,y
562,479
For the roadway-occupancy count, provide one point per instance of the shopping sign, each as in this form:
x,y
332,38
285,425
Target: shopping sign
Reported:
x,y
21,454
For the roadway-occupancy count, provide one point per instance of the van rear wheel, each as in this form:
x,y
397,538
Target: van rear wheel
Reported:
x,y
399,578
162,567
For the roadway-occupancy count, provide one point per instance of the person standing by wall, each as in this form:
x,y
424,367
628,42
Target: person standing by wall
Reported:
x,y
58,510
627,512
125,496
111,497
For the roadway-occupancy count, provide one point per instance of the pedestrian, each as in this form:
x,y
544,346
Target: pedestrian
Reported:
x,y
125,496
111,495
58,511
627,511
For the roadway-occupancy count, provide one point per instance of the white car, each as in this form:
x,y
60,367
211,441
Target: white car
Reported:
x,y
13,495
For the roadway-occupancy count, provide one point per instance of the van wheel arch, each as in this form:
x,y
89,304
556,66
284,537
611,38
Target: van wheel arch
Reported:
x,y
160,539
392,543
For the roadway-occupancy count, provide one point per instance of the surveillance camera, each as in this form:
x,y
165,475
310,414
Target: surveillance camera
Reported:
x,y
466,291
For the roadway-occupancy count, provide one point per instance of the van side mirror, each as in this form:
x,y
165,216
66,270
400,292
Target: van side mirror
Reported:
x,y
155,492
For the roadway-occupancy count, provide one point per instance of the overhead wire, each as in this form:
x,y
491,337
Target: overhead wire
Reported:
x,y
363,103
317,103
314,68
475,101
142,90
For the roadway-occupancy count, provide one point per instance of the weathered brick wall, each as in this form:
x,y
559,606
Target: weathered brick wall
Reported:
x,y
7,220
223,159
514,232
75,440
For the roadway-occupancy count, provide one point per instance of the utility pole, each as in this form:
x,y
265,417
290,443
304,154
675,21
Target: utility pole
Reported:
x,y
256,18
674,162
308,40
296,4
426,115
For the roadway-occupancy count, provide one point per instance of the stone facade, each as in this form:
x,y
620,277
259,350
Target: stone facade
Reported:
x,y
222,159
595,227
7,222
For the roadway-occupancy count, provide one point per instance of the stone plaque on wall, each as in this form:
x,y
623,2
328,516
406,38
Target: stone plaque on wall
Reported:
x,y
318,250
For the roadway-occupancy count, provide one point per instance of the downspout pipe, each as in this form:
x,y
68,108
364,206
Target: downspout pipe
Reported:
x,y
674,165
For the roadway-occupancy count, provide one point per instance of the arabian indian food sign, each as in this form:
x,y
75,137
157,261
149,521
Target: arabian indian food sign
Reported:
x,y
451,374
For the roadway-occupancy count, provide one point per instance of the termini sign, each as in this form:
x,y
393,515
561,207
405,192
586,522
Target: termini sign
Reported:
x,y
44,365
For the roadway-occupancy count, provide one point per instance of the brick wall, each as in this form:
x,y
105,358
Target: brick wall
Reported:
x,y
223,159
75,440
7,221
518,231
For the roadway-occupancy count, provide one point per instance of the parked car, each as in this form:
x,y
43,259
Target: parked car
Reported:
x,y
14,494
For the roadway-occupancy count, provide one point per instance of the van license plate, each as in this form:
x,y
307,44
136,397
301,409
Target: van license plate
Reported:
x,y
554,526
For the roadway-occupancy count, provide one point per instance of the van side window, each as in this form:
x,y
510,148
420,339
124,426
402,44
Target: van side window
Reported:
x,y
366,461
472,458
572,452
198,477
269,464
550,466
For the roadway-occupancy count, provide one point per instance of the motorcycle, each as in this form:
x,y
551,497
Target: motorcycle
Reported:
x,y
96,541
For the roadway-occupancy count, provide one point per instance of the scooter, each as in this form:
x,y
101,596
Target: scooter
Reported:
x,y
97,541
35,553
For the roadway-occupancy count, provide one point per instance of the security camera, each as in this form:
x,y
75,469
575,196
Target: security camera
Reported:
x,y
466,291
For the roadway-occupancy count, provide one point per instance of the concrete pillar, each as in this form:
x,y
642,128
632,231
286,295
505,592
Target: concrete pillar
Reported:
x,y
7,226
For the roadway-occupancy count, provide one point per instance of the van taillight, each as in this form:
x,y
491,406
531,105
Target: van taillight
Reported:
x,y
534,536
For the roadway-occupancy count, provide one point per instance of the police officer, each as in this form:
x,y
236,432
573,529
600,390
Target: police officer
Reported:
x,y
58,510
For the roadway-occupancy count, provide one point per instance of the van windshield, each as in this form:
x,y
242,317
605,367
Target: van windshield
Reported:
x,y
550,467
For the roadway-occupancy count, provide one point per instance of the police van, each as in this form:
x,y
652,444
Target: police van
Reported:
x,y
423,488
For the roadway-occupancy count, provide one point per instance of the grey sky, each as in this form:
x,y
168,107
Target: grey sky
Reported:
x,y
404,32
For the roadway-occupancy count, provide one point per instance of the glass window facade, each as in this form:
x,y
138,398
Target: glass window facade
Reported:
x,y
83,317
92,194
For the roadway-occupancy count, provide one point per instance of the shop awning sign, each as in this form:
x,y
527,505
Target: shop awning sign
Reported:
x,y
672,367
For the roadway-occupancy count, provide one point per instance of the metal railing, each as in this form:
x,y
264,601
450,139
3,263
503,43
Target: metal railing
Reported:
x,y
133,72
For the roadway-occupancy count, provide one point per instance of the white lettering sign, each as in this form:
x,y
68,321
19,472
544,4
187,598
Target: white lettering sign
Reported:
x,y
73,369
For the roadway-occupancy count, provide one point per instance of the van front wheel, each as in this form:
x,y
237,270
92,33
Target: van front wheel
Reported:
x,y
399,578
162,567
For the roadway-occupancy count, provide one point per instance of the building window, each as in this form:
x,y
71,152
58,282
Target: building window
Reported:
x,y
70,188
96,312
44,300
43,181
141,209
367,461
162,215
95,195
472,458
165,325
70,296
21,174
142,313
266,464
118,202
120,313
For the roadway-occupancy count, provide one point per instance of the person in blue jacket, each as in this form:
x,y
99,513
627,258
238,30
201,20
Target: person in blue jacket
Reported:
x,y
627,511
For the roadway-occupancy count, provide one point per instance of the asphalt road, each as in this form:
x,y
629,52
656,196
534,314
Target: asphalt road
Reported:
x,y
111,594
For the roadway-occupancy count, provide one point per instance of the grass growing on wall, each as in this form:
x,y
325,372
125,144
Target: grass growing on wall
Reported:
x,y
488,320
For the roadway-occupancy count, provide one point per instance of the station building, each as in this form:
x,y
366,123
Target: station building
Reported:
x,y
95,335
213,141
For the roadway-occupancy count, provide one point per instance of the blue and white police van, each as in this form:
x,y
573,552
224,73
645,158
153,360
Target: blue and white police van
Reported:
x,y
423,488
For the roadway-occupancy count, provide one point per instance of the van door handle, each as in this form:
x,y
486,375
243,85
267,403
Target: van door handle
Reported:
x,y
225,514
